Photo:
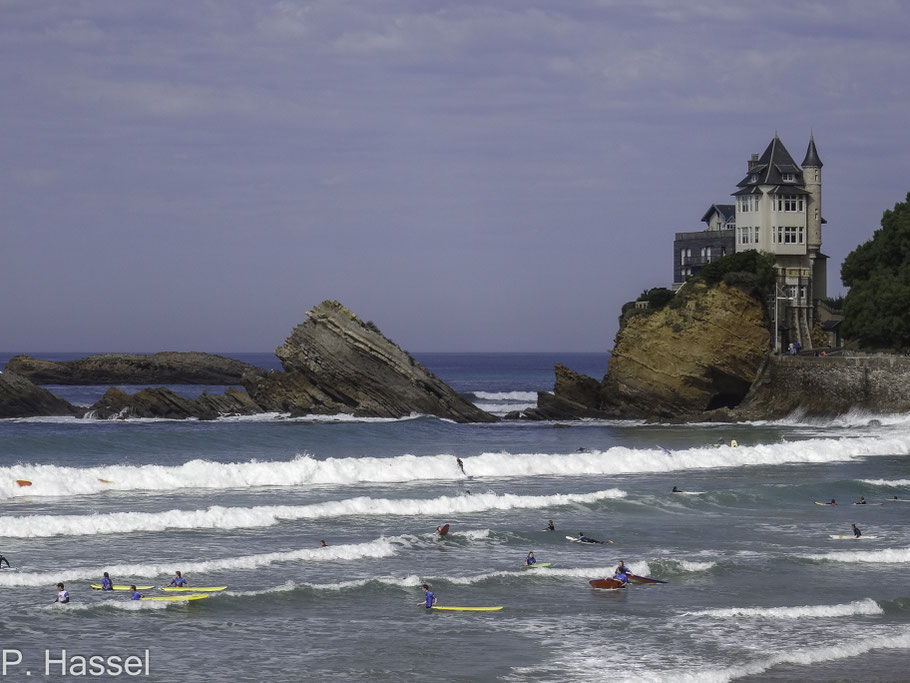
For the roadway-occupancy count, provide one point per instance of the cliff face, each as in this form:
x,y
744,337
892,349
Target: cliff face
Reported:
x,y
168,367
336,363
700,352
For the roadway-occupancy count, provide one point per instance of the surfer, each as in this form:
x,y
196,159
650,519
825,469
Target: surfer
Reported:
x,y
862,501
833,502
586,539
62,594
106,583
621,569
2,560
323,544
856,532
177,581
429,599
460,464
676,490
550,526
135,594
530,560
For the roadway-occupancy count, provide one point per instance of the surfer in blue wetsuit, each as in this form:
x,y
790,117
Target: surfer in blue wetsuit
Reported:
x,y
135,594
529,560
622,569
429,599
106,583
178,581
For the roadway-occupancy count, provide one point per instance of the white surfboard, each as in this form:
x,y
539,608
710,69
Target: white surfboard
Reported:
x,y
851,537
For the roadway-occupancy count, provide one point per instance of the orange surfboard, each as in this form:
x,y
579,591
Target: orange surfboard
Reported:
x,y
23,482
609,584
444,529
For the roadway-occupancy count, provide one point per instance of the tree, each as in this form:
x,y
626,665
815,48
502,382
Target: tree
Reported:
x,y
877,305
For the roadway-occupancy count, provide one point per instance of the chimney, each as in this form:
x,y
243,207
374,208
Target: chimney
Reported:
x,y
752,162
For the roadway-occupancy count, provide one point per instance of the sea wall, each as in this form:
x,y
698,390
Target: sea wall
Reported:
x,y
828,386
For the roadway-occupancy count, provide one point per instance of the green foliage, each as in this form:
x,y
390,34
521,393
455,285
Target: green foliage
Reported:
x,y
877,307
752,270
835,303
657,297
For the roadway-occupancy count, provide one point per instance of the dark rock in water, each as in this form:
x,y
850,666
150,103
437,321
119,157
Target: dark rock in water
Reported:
x,y
550,407
21,398
164,403
513,415
575,387
168,367
335,363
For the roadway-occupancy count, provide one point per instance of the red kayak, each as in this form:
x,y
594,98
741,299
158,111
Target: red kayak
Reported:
x,y
609,584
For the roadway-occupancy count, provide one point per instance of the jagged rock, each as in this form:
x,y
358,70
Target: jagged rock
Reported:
x,y
576,387
164,403
168,367
336,363
550,407
700,352
21,398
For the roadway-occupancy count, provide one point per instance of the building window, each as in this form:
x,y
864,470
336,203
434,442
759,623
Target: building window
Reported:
x,y
787,177
788,234
755,235
816,214
754,178
789,203
816,175
791,291
800,234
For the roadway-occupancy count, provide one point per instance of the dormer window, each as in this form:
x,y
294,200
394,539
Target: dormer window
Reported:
x,y
753,178
788,177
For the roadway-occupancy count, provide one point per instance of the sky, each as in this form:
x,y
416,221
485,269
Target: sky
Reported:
x,y
468,175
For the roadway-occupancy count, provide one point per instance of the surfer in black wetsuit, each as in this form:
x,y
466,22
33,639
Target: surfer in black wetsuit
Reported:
x,y
586,539
675,490
856,531
460,464
550,526
862,501
2,560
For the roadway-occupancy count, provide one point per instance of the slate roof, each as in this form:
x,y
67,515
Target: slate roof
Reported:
x,y
770,166
726,211
812,154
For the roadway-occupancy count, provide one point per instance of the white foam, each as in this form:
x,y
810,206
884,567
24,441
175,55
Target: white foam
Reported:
x,y
528,397
304,470
381,547
858,607
888,556
887,482
218,517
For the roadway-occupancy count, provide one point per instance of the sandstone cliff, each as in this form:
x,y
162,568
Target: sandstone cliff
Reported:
x,y
168,367
335,363
700,352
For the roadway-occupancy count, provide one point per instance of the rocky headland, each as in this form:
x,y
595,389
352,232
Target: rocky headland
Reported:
x,y
336,363
167,367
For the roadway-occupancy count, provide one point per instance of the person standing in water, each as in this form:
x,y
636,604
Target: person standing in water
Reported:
x,y
178,581
550,526
529,560
62,594
429,599
106,583
135,594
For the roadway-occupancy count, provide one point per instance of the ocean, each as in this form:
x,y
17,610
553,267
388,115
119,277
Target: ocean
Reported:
x,y
757,589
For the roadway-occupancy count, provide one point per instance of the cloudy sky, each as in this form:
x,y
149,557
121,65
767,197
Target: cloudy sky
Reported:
x,y
469,175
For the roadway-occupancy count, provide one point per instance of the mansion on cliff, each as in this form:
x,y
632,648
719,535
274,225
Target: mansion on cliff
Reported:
x,y
777,209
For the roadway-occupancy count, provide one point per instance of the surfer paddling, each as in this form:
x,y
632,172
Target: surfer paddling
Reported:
x,y
587,539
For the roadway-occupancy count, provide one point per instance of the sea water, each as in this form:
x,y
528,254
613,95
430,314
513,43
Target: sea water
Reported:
x,y
756,587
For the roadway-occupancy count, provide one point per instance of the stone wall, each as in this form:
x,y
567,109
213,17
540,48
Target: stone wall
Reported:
x,y
829,386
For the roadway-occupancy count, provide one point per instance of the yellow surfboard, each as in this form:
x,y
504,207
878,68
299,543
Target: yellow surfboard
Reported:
x,y
175,598
470,609
204,589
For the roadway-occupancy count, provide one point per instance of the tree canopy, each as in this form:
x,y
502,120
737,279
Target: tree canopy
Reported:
x,y
877,305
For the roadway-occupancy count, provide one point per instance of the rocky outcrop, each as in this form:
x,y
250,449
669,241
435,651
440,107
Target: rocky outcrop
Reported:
x,y
21,398
168,367
700,352
164,403
335,363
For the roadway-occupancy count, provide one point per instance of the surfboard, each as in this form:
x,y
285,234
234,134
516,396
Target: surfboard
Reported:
x,y
867,503
175,598
643,579
817,503
898,500
692,493
469,609
105,481
97,587
444,530
851,537
205,589
664,449
535,565
608,584
23,482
